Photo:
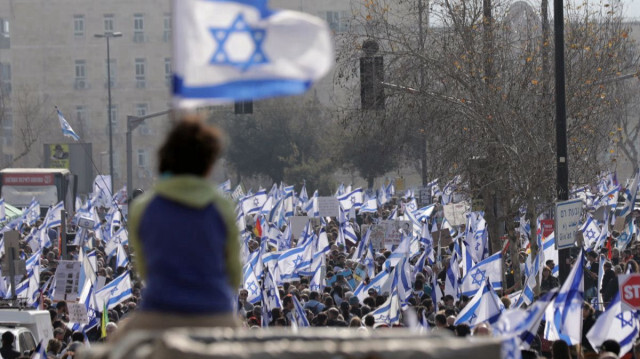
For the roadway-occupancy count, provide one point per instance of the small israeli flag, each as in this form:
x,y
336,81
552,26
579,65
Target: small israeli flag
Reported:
x,y
66,128
229,50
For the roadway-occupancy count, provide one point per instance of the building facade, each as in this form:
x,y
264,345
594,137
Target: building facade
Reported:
x,y
50,56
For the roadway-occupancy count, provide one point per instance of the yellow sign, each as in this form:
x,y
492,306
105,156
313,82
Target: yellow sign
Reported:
x,y
400,184
59,155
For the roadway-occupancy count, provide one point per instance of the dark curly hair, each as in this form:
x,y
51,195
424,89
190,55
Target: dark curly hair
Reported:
x,y
191,147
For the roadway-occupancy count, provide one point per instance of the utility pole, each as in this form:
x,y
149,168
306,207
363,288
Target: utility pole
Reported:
x,y
423,151
107,35
562,184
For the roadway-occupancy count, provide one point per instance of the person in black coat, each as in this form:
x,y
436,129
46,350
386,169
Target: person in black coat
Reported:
x,y
548,281
588,319
608,275
611,289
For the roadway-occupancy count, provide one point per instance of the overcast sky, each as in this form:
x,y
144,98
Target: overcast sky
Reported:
x,y
633,8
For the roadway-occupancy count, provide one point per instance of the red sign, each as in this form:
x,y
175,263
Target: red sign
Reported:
x,y
27,179
630,290
547,227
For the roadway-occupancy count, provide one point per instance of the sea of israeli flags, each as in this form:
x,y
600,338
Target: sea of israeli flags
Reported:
x,y
472,270
282,256
111,234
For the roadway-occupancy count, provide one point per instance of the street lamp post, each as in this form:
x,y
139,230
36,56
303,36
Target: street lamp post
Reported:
x,y
132,123
107,35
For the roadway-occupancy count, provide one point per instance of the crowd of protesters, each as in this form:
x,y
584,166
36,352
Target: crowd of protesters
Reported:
x,y
184,193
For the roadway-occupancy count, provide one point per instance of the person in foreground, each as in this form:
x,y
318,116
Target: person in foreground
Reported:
x,y
184,237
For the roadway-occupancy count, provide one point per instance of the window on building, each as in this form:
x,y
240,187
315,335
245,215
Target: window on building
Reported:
x,y
168,73
141,110
140,73
78,25
110,72
7,129
338,20
81,74
81,117
108,23
5,78
4,27
166,36
138,28
114,115
5,41
142,158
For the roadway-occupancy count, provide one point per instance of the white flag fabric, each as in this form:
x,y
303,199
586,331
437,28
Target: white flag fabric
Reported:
x,y
3,215
630,196
564,316
389,312
116,291
490,267
102,191
233,50
66,128
590,232
251,284
615,323
354,198
253,204
485,306
550,252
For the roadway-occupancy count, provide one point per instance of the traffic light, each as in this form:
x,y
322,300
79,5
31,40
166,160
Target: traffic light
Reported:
x,y
371,77
243,107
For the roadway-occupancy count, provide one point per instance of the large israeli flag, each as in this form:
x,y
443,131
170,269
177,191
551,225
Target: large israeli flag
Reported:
x,y
389,312
615,323
485,306
490,267
228,50
115,292
351,199
564,316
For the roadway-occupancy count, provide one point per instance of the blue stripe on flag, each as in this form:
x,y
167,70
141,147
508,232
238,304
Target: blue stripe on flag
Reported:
x,y
242,89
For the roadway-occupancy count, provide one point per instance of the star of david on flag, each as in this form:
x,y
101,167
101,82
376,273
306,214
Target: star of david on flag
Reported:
x,y
615,323
478,276
234,50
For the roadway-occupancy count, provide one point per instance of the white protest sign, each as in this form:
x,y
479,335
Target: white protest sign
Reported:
x,y
328,206
297,225
376,236
77,313
456,213
568,215
67,279
237,193
393,231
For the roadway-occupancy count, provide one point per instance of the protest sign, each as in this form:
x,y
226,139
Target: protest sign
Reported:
x,y
456,213
67,278
77,313
328,207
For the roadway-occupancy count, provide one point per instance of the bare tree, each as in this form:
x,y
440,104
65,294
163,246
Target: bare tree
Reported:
x,y
33,114
487,72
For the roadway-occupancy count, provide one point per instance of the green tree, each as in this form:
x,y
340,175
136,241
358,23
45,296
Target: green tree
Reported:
x,y
285,139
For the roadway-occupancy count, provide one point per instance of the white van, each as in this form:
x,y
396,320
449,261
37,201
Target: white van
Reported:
x,y
24,341
37,321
